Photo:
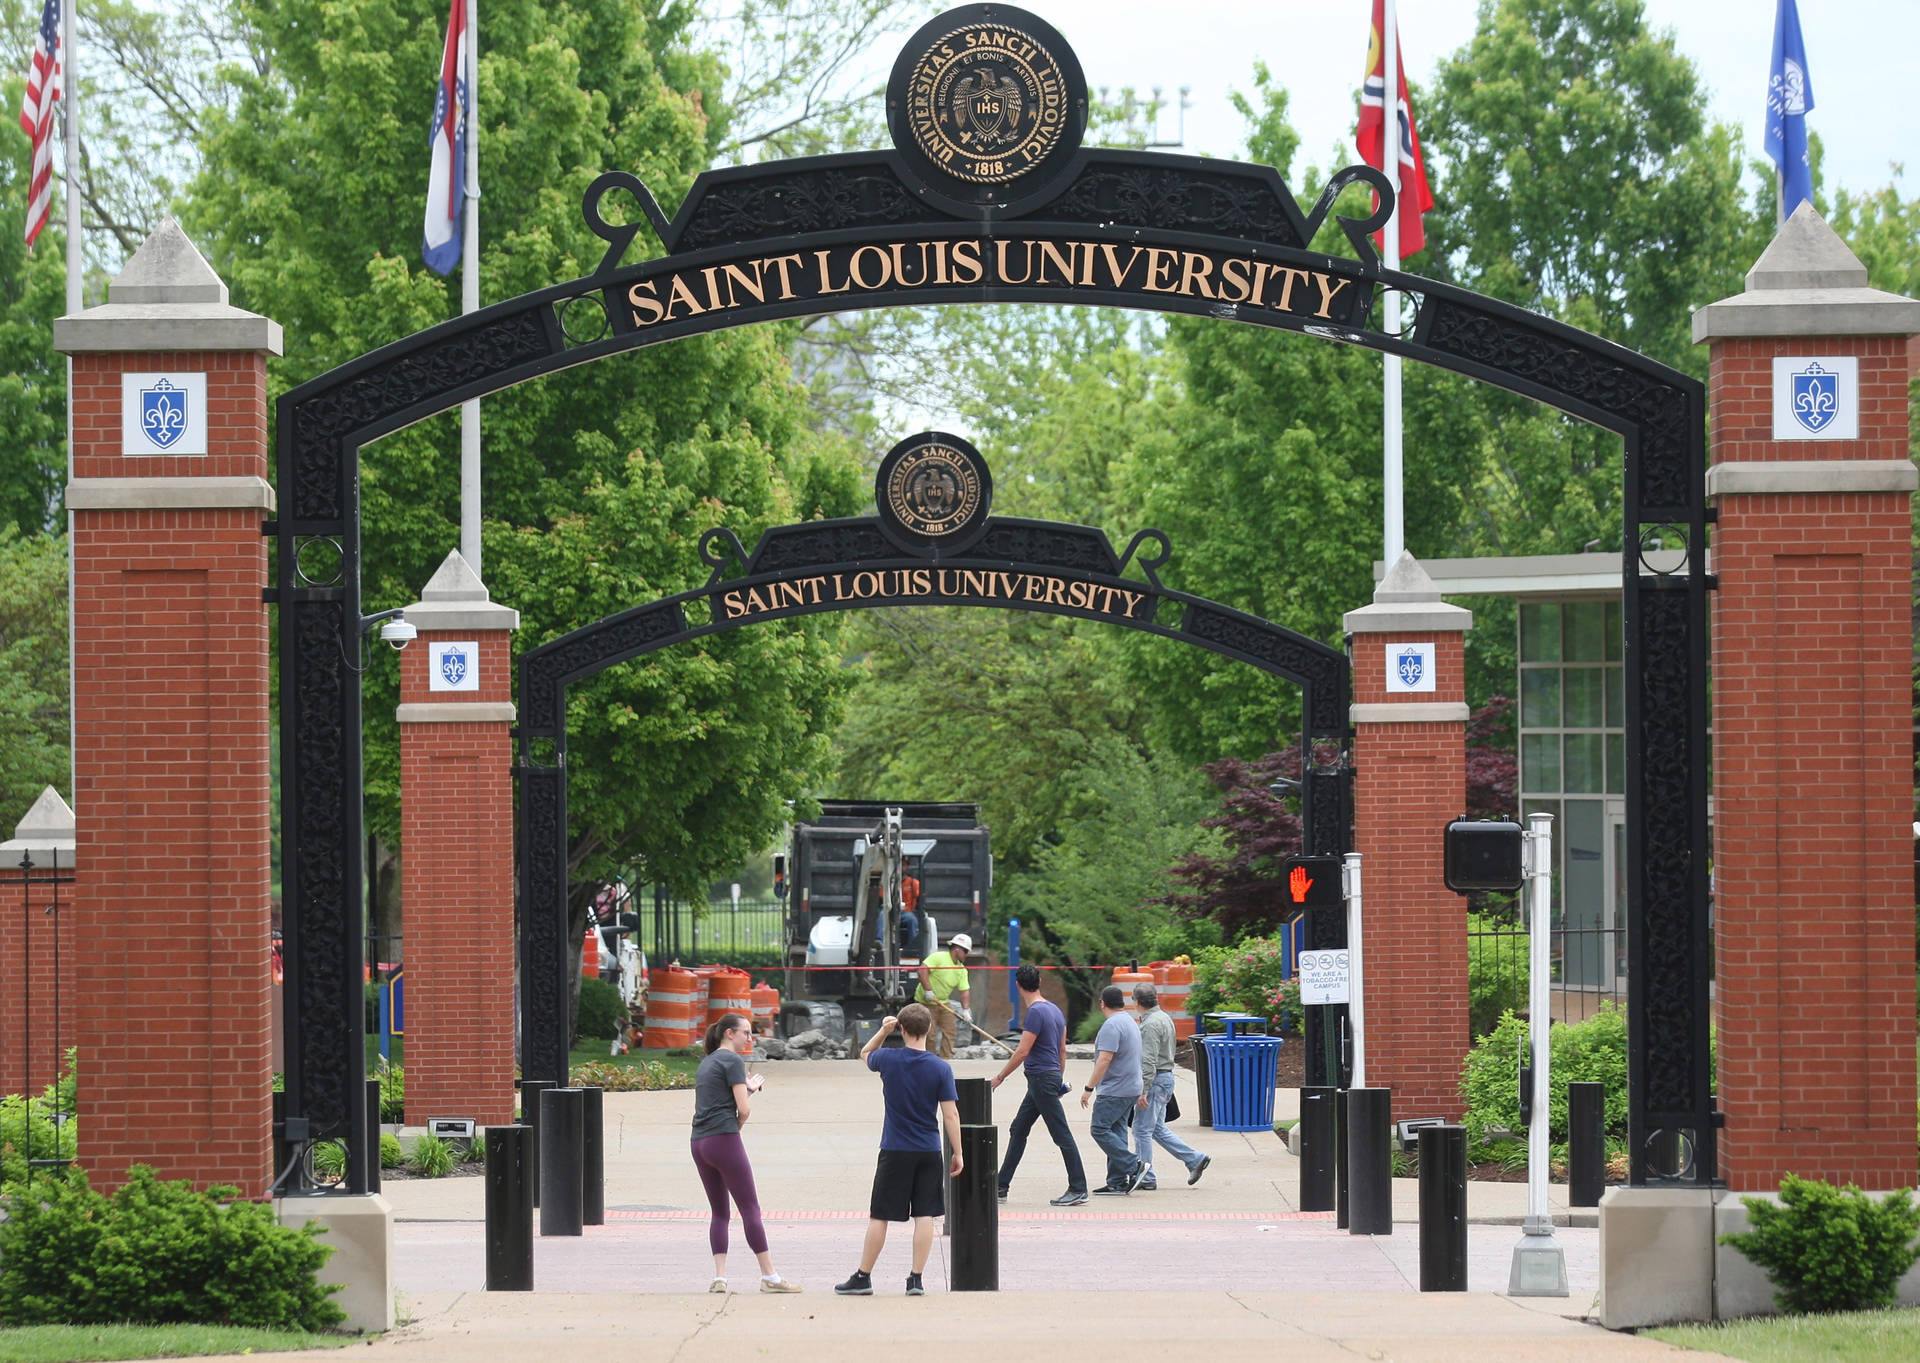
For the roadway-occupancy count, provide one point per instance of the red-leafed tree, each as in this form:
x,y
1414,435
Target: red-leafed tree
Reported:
x,y
1244,891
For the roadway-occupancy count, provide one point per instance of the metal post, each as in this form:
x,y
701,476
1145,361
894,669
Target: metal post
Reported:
x,y
1539,1265
1586,1144
373,1135
560,1159
1357,991
510,1183
1443,1209
282,1147
1370,1161
1342,1178
593,1159
976,1212
1202,1080
1013,965
1317,1128
975,1101
530,1091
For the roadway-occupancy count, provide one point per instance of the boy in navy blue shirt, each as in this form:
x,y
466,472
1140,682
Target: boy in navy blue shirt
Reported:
x,y
908,1183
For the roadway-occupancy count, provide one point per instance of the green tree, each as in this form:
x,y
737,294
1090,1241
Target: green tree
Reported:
x,y
35,710
597,480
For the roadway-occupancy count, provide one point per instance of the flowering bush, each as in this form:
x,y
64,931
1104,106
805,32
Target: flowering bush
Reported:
x,y
647,1076
1247,977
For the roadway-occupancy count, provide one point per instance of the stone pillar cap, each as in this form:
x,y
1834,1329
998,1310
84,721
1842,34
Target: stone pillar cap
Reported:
x,y
456,600
166,298
1808,283
1406,601
46,834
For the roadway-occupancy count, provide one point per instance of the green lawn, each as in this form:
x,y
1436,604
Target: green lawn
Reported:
x,y
595,1052
1851,1337
85,1343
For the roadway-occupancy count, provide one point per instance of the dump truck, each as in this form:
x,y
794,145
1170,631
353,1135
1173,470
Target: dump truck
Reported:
x,y
851,944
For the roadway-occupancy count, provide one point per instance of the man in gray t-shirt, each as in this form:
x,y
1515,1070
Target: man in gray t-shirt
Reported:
x,y
1113,1091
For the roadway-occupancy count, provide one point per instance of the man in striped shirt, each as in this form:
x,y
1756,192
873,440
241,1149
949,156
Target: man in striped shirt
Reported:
x,y
1156,1073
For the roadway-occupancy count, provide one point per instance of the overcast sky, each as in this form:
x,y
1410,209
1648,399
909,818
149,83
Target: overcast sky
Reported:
x,y
1862,61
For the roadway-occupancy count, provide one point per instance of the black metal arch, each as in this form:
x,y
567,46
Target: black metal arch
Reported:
x,y
820,567
1125,229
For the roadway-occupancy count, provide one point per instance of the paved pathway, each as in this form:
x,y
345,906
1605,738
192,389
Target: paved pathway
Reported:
x,y
1182,1271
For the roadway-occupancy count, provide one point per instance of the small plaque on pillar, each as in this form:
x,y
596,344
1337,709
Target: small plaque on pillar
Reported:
x,y
1816,397
454,666
163,414
1409,667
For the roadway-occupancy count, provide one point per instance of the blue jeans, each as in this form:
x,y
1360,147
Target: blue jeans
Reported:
x,y
1110,1134
1151,1126
1042,1103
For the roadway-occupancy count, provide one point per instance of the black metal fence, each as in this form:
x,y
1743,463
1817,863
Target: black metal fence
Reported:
x,y
1588,973
751,934
46,1141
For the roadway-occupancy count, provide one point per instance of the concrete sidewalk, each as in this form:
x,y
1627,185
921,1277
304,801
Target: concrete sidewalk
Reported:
x,y
1182,1271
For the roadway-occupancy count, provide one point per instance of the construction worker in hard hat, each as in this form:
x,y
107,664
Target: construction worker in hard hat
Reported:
x,y
943,987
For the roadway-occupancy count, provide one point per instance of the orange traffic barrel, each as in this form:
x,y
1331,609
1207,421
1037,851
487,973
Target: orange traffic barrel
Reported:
x,y
669,1008
766,1008
590,955
729,991
1174,980
1127,979
702,981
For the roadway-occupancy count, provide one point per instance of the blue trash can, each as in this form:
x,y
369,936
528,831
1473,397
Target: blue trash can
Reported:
x,y
1240,1075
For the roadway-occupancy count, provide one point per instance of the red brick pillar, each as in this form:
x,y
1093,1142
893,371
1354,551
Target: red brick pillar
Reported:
x,y
456,850
1409,718
43,940
167,493
1812,722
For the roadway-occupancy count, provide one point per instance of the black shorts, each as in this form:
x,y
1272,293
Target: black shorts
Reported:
x,y
909,1183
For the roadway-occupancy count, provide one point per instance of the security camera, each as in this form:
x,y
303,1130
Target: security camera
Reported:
x,y
399,633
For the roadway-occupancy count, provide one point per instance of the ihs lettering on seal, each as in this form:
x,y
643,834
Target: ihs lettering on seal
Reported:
x,y
987,103
934,490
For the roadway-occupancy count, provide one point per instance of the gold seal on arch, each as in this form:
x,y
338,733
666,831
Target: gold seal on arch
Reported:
x,y
986,103
934,490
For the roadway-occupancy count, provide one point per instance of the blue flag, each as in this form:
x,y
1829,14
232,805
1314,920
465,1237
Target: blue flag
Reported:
x,y
1789,96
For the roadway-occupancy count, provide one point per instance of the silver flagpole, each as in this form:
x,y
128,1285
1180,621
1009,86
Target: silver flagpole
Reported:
x,y
470,301
76,279
1392,475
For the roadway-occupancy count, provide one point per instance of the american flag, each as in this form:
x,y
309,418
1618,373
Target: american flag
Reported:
x,y
36,116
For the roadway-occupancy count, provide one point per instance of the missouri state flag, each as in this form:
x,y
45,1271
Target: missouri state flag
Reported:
x,y
446,180
1415,195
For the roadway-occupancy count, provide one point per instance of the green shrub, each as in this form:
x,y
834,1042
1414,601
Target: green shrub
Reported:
x,y
1496,973
1247,977
600,1010
393,1092
647,1076
329,1160
1830,1249
155,1253
1594,1051
430,1157
390,1154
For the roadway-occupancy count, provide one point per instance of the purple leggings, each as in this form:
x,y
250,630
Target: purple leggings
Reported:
x,y
722,1162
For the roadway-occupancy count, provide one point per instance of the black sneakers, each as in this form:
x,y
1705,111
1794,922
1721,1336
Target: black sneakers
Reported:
x,y
859,1285
1069,1198
914,1288
1139,1175
1108,1190
1199,1169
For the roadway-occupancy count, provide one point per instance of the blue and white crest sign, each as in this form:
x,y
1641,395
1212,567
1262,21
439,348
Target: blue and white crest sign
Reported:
x,y
163,414
1816,397
454,667
1410,667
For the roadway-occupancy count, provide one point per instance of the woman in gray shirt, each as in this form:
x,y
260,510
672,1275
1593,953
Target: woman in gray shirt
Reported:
x,y
722,1101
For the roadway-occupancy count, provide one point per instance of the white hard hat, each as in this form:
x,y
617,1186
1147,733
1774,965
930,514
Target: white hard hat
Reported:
x,y
961,940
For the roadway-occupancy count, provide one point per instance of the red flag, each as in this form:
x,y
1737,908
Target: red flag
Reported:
x,y
36,116
1416,197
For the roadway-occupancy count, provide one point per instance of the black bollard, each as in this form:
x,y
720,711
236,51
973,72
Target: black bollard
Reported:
x,y
593,1160
560,1156
373,1135
1202,1081
530,1091
282,1147
1443,1209
976,1212
1586,1144
976,1101
1370,1161
510,1181
1342,1179
1317,1127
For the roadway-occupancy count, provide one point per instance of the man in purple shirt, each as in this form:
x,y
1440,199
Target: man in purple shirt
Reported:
x,y
1042,1053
